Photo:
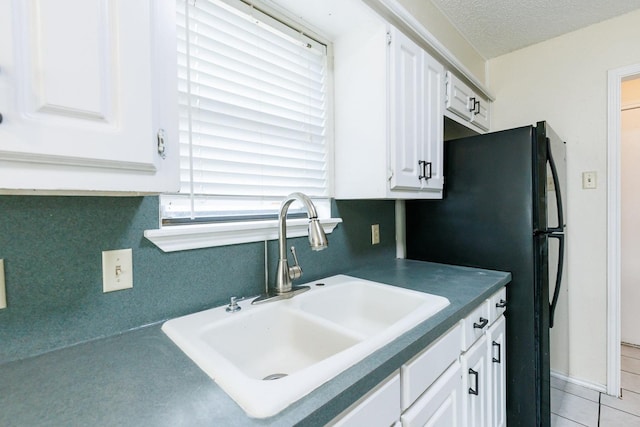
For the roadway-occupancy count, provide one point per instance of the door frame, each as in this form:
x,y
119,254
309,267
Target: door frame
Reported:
x,y
615,78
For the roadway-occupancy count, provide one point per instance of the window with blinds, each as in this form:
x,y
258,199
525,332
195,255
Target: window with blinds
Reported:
x,y
253,113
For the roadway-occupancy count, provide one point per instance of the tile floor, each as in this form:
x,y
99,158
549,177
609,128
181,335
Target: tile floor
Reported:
x,y
575,406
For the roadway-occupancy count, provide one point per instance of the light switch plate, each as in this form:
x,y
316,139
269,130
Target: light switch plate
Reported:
x,y
117,270
3,290
589,180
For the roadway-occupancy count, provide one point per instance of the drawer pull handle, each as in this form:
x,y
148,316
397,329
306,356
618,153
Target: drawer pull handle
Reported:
x,y
471,390
482,324
497,344
501,304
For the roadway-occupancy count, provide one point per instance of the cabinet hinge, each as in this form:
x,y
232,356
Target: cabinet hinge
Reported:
x,y
388,38
161,145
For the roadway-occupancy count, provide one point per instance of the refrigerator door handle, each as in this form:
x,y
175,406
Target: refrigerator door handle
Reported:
x,y
556,291
556,185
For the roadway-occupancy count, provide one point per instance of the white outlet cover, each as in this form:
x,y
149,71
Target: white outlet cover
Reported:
x,y
117,270
375,234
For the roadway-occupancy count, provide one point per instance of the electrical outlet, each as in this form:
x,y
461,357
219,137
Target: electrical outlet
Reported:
x,y
3,290
117,270
589,180
375,234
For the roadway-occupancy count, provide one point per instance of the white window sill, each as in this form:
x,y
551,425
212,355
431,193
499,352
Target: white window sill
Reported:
x,y
184,237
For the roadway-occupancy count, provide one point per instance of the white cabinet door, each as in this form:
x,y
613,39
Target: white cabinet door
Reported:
x,y
441,405
433,124
416,86
475,381
84,90
459,96
379,407
406,112
480,116
496,349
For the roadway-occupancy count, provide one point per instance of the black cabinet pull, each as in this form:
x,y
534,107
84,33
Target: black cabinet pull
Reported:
x,y
0,118
472,106
501,304
471,390
497,344
422,164
430,174
482,324
476,107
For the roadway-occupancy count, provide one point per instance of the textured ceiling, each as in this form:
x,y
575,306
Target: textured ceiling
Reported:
x,y
496,27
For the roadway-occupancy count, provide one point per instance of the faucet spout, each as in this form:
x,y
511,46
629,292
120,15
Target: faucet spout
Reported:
x,y
285,274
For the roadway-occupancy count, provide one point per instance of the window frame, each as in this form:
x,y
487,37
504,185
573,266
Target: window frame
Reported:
x,y
196,235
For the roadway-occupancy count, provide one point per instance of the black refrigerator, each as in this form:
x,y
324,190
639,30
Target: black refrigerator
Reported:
x,y
503,210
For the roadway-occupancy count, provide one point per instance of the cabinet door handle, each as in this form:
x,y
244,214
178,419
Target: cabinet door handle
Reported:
x,y
501,304
482,324
476,107
161,136
497,344
423,165
430,174
472,104
471,390
0,118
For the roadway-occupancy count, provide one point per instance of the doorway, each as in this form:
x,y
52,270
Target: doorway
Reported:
x,y
615,242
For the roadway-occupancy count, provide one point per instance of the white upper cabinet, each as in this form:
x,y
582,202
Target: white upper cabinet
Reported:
x,y
416,116
389,119
465,103
88,96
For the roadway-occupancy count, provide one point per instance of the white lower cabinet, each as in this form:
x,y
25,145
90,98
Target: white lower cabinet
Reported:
x,y
441,404
379,407
497,361
475,380
457,381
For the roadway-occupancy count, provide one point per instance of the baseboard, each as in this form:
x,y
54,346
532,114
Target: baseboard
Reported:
x,y
587,384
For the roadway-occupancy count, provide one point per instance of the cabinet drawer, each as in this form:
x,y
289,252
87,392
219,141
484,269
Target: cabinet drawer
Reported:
x,y
441,404
381,406
474,325
497,305
420,372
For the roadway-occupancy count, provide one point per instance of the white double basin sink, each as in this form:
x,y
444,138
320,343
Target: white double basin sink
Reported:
x,y
269,355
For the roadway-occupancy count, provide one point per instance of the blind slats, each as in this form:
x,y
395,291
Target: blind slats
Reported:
x,y
252,106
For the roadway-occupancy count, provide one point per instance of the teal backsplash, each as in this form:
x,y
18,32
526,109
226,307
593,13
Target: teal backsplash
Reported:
x,y
52,247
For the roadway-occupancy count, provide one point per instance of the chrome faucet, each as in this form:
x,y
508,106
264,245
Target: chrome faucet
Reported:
x,y
285,275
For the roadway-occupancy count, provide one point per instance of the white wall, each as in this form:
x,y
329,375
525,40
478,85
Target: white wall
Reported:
x,y
564,81
630,220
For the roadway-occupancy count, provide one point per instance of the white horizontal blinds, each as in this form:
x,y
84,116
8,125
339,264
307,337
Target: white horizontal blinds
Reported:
x,y
252,106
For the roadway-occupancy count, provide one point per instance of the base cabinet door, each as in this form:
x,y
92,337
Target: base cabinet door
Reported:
x,y
379,407
441,404
496,346
475,381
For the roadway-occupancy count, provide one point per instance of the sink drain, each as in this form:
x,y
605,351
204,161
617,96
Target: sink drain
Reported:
x,y
274,377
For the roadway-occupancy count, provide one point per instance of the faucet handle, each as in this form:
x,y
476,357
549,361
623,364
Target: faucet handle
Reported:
x,y
295,272
233,305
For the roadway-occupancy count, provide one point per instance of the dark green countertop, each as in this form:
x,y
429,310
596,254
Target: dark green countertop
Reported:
x,y
141,378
